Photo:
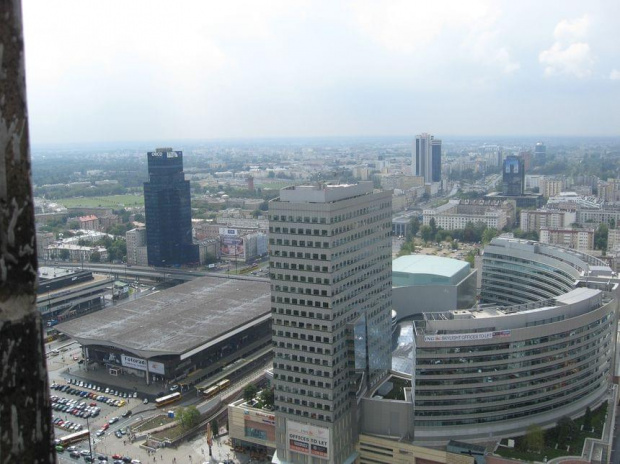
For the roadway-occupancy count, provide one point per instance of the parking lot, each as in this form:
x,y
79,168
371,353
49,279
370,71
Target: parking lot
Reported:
x,y
79,406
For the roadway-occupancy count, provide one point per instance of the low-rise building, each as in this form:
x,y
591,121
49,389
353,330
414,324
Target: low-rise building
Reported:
x,y
456,214
136,247
579,239
422,283
89,222
534,220
75,252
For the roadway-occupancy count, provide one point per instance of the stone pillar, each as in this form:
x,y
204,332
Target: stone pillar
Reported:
x,y
25,415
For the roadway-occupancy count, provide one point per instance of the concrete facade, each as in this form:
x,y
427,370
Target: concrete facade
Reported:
x,y
330,255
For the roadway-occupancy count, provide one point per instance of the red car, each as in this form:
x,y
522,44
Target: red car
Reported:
x,y
116,456
106,426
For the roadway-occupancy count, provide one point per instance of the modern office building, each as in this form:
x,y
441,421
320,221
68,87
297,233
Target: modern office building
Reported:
x,y
427,158
540,153
331,293
513,176
540,349
167,204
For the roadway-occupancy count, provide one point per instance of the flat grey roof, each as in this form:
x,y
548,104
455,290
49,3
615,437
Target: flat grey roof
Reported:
x,y
177,320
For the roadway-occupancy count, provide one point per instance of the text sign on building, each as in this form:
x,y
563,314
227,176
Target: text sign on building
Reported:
x,y
258,416
140,364
226,231
308,439
467,336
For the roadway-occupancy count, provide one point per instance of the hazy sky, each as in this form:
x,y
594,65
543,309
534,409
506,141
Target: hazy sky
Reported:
x,y
150,70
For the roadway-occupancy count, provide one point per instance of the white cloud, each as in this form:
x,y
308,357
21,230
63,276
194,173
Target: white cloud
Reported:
x,y
571,31
406,27
614,75
569,54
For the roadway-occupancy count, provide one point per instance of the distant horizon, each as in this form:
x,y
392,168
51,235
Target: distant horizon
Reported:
x,y
175,143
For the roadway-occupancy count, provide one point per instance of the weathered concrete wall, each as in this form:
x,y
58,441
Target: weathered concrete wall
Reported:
x,y
25,418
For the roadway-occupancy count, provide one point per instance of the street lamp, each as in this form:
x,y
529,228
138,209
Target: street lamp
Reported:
x,y
90,448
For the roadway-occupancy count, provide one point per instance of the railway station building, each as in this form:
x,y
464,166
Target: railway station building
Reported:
x,y
192,330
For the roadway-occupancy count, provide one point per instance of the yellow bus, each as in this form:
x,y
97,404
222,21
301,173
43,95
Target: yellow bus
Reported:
x,y
159,402
223,384
73,438
211,391
216,388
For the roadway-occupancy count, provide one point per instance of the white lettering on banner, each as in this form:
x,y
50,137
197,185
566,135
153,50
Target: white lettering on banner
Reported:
x,y
466,337
140,364
308,439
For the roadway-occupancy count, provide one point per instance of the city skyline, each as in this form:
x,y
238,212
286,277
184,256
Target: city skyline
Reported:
x,y
299,69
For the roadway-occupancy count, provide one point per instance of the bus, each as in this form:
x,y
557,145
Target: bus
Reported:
x,y
73,438
223,385
167,399
210,392
216,388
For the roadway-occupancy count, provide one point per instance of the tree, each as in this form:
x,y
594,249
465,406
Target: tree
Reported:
x,y
471,259
433,225
488,235
95,257
405,249
188,417
214,428
534,439
426,233
267,397
414,228
64,254
565,429
249,392
587,419
600,237
138,217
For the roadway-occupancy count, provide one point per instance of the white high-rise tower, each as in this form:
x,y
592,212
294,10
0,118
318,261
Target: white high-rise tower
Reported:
x,y
331,293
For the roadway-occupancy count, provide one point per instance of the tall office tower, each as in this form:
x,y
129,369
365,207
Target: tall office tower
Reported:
x,y
513,176
540,153
168,211
427,158
331,293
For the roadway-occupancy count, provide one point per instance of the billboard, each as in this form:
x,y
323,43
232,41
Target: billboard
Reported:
x,y
140,364
232,247
226,231
307,439
465,337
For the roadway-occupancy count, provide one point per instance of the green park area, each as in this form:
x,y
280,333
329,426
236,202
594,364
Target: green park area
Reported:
x,y
112,201
565,439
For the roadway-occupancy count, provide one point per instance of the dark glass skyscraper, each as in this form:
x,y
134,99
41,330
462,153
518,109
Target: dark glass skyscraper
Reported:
x,y
168,211
513,176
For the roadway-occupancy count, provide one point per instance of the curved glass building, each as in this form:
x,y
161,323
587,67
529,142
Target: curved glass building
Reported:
x,y
539,346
